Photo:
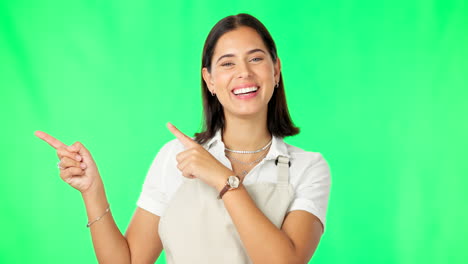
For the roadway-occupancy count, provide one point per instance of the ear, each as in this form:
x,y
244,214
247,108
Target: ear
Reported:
x,y
207,78
277,69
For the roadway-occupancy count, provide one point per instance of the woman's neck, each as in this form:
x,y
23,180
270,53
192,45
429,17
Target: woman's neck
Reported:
x,y
246,134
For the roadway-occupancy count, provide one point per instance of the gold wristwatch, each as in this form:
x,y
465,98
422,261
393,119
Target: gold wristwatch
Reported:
x,y
232,183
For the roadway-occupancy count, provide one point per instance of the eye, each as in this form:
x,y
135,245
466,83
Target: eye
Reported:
x,y
227,64
256,59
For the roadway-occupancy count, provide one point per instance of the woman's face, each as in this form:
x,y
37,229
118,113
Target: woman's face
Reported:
x,y
243,75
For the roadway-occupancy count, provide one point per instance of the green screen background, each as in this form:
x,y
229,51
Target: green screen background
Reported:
x,y
378,87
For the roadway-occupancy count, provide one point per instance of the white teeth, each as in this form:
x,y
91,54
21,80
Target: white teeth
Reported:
x,y
245,90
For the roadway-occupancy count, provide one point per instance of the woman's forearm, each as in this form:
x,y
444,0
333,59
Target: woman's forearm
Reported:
x,y
109,243
264,242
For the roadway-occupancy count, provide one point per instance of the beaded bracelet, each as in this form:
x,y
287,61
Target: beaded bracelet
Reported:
x,y
99,218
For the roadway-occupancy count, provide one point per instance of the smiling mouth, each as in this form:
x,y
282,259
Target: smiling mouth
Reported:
x,y
246,90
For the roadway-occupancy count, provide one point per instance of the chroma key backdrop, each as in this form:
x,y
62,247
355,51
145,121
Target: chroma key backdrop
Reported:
x,y
380,88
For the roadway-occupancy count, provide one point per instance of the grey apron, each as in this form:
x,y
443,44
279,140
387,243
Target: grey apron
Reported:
x,y
196,227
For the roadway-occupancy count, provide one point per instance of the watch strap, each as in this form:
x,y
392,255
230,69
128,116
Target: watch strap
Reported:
x,y
223,191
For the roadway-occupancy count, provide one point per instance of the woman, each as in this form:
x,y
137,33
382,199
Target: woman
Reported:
x,y
237,193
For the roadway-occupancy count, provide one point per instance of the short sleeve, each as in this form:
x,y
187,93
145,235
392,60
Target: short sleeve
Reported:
x,y
153,197
313,189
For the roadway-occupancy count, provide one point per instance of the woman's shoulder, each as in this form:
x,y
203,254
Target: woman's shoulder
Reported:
x,y
303,157
165,155
171,146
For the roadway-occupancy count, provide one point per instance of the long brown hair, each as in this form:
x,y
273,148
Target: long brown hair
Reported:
x,y
279,121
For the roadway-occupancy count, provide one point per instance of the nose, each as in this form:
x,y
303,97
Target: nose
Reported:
x,y
244,70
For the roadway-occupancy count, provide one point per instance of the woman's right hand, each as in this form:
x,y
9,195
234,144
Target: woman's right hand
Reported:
x,y
77,167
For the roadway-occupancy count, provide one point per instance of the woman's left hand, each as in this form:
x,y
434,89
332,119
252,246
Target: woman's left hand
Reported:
x,y
197,162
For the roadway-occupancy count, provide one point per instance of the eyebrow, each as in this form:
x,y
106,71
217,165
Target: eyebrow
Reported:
x,y
232,55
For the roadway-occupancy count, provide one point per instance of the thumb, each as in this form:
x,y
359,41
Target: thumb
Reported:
x,y
79,148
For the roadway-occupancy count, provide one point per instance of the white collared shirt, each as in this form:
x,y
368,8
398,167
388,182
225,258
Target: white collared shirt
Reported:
x,y
309,175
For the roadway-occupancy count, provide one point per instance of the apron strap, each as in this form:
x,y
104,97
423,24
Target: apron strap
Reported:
x,y
283,164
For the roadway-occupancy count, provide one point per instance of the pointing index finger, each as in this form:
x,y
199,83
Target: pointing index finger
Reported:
x,y
184,139
53,142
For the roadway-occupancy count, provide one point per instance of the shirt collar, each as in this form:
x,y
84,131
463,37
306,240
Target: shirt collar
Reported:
x,y
278,146
215,140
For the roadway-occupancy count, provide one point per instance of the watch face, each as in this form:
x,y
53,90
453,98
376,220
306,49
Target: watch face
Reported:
x,y
233,181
